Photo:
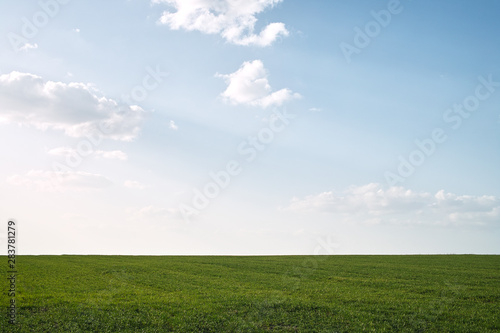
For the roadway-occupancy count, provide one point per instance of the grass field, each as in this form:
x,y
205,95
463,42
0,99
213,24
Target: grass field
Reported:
x,y
255,294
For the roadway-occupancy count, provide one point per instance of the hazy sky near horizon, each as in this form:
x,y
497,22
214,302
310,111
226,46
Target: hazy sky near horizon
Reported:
x,y
250,127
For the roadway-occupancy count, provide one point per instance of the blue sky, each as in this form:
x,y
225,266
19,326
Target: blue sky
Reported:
x,y
250,127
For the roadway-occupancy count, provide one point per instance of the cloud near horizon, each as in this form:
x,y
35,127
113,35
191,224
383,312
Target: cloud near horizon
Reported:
x,y
373,204
249,85
78,109
234,20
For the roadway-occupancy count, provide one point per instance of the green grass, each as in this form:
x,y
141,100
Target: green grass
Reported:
x,y
255,294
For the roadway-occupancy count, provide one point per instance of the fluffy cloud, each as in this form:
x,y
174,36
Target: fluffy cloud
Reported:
x,y
28,46
234,20
249,85
76,108
374,204
173,125
62,151
60,181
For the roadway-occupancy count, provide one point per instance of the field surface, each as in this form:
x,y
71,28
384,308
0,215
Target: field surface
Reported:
x,y
255,294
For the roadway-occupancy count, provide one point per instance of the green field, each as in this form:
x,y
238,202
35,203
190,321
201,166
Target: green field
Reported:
x,y
255,294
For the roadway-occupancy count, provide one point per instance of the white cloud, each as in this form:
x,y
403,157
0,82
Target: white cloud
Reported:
x,y
249,85
76,108
60,181
373,204
68,152
62,151
28,46
173,125
134,185
234,20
